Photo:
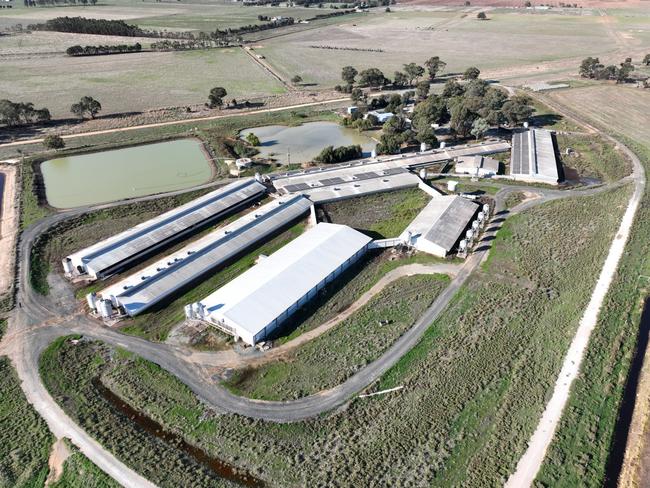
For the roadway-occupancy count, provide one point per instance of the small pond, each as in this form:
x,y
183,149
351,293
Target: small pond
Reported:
x,y
124,173
306,141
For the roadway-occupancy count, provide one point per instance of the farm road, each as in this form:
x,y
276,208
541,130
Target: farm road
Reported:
x,y
233,359
530,463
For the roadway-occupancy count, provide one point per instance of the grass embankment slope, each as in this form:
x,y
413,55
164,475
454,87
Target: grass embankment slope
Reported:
x,y
582,445
24,437
68,371
473,388
355,342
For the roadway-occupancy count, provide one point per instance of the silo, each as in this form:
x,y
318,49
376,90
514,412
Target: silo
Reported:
x,y
105,308
189,313
67,266
91,298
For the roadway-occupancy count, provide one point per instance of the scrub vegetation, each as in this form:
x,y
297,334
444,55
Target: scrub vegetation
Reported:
x,y
473,388
68,372
348,347
24,437
380,215
80,472
592,157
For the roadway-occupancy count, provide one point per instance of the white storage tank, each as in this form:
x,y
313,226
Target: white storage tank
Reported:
x,y
463,245
91,298
198,309
475,225
486,209
452,185
105,309
67,266
189,312
469,234
373,153
423,174
443,144
481,216
423,146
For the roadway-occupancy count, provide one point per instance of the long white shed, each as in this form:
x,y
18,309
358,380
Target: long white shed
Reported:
x,y
256,303
121,251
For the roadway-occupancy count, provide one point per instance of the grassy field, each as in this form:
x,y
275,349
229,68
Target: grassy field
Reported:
x,y
348,347
582,445
473,388
593,158
134,82
24,437
211,131
381,215
508,39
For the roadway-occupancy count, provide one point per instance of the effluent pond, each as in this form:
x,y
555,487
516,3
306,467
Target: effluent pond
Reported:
x,y
125,173
303,143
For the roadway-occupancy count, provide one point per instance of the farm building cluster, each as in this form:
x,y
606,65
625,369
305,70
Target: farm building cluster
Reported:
x,y
254,305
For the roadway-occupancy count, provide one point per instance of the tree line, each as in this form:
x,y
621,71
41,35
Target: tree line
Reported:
x,y
101,50
331,155
470,108
82,25
51,3
592,68
19,113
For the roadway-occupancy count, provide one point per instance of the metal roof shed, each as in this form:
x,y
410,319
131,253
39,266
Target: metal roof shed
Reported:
x,y
139,291
122,250
437,228
255,303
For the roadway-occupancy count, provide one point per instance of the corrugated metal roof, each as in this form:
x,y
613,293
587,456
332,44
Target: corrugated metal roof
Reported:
x,y
442,221
533,156
116,249
150,285
257,297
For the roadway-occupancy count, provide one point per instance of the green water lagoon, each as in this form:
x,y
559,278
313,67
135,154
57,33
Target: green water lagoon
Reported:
x,y
135,171
304,142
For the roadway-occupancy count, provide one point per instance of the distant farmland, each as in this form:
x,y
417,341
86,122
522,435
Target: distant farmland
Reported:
x,y
621,108
508,39
133,82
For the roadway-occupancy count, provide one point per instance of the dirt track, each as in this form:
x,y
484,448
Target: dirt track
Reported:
x,y
232,359
8,227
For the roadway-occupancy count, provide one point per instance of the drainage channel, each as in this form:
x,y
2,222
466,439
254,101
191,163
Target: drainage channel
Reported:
x,y
622,428
217,466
